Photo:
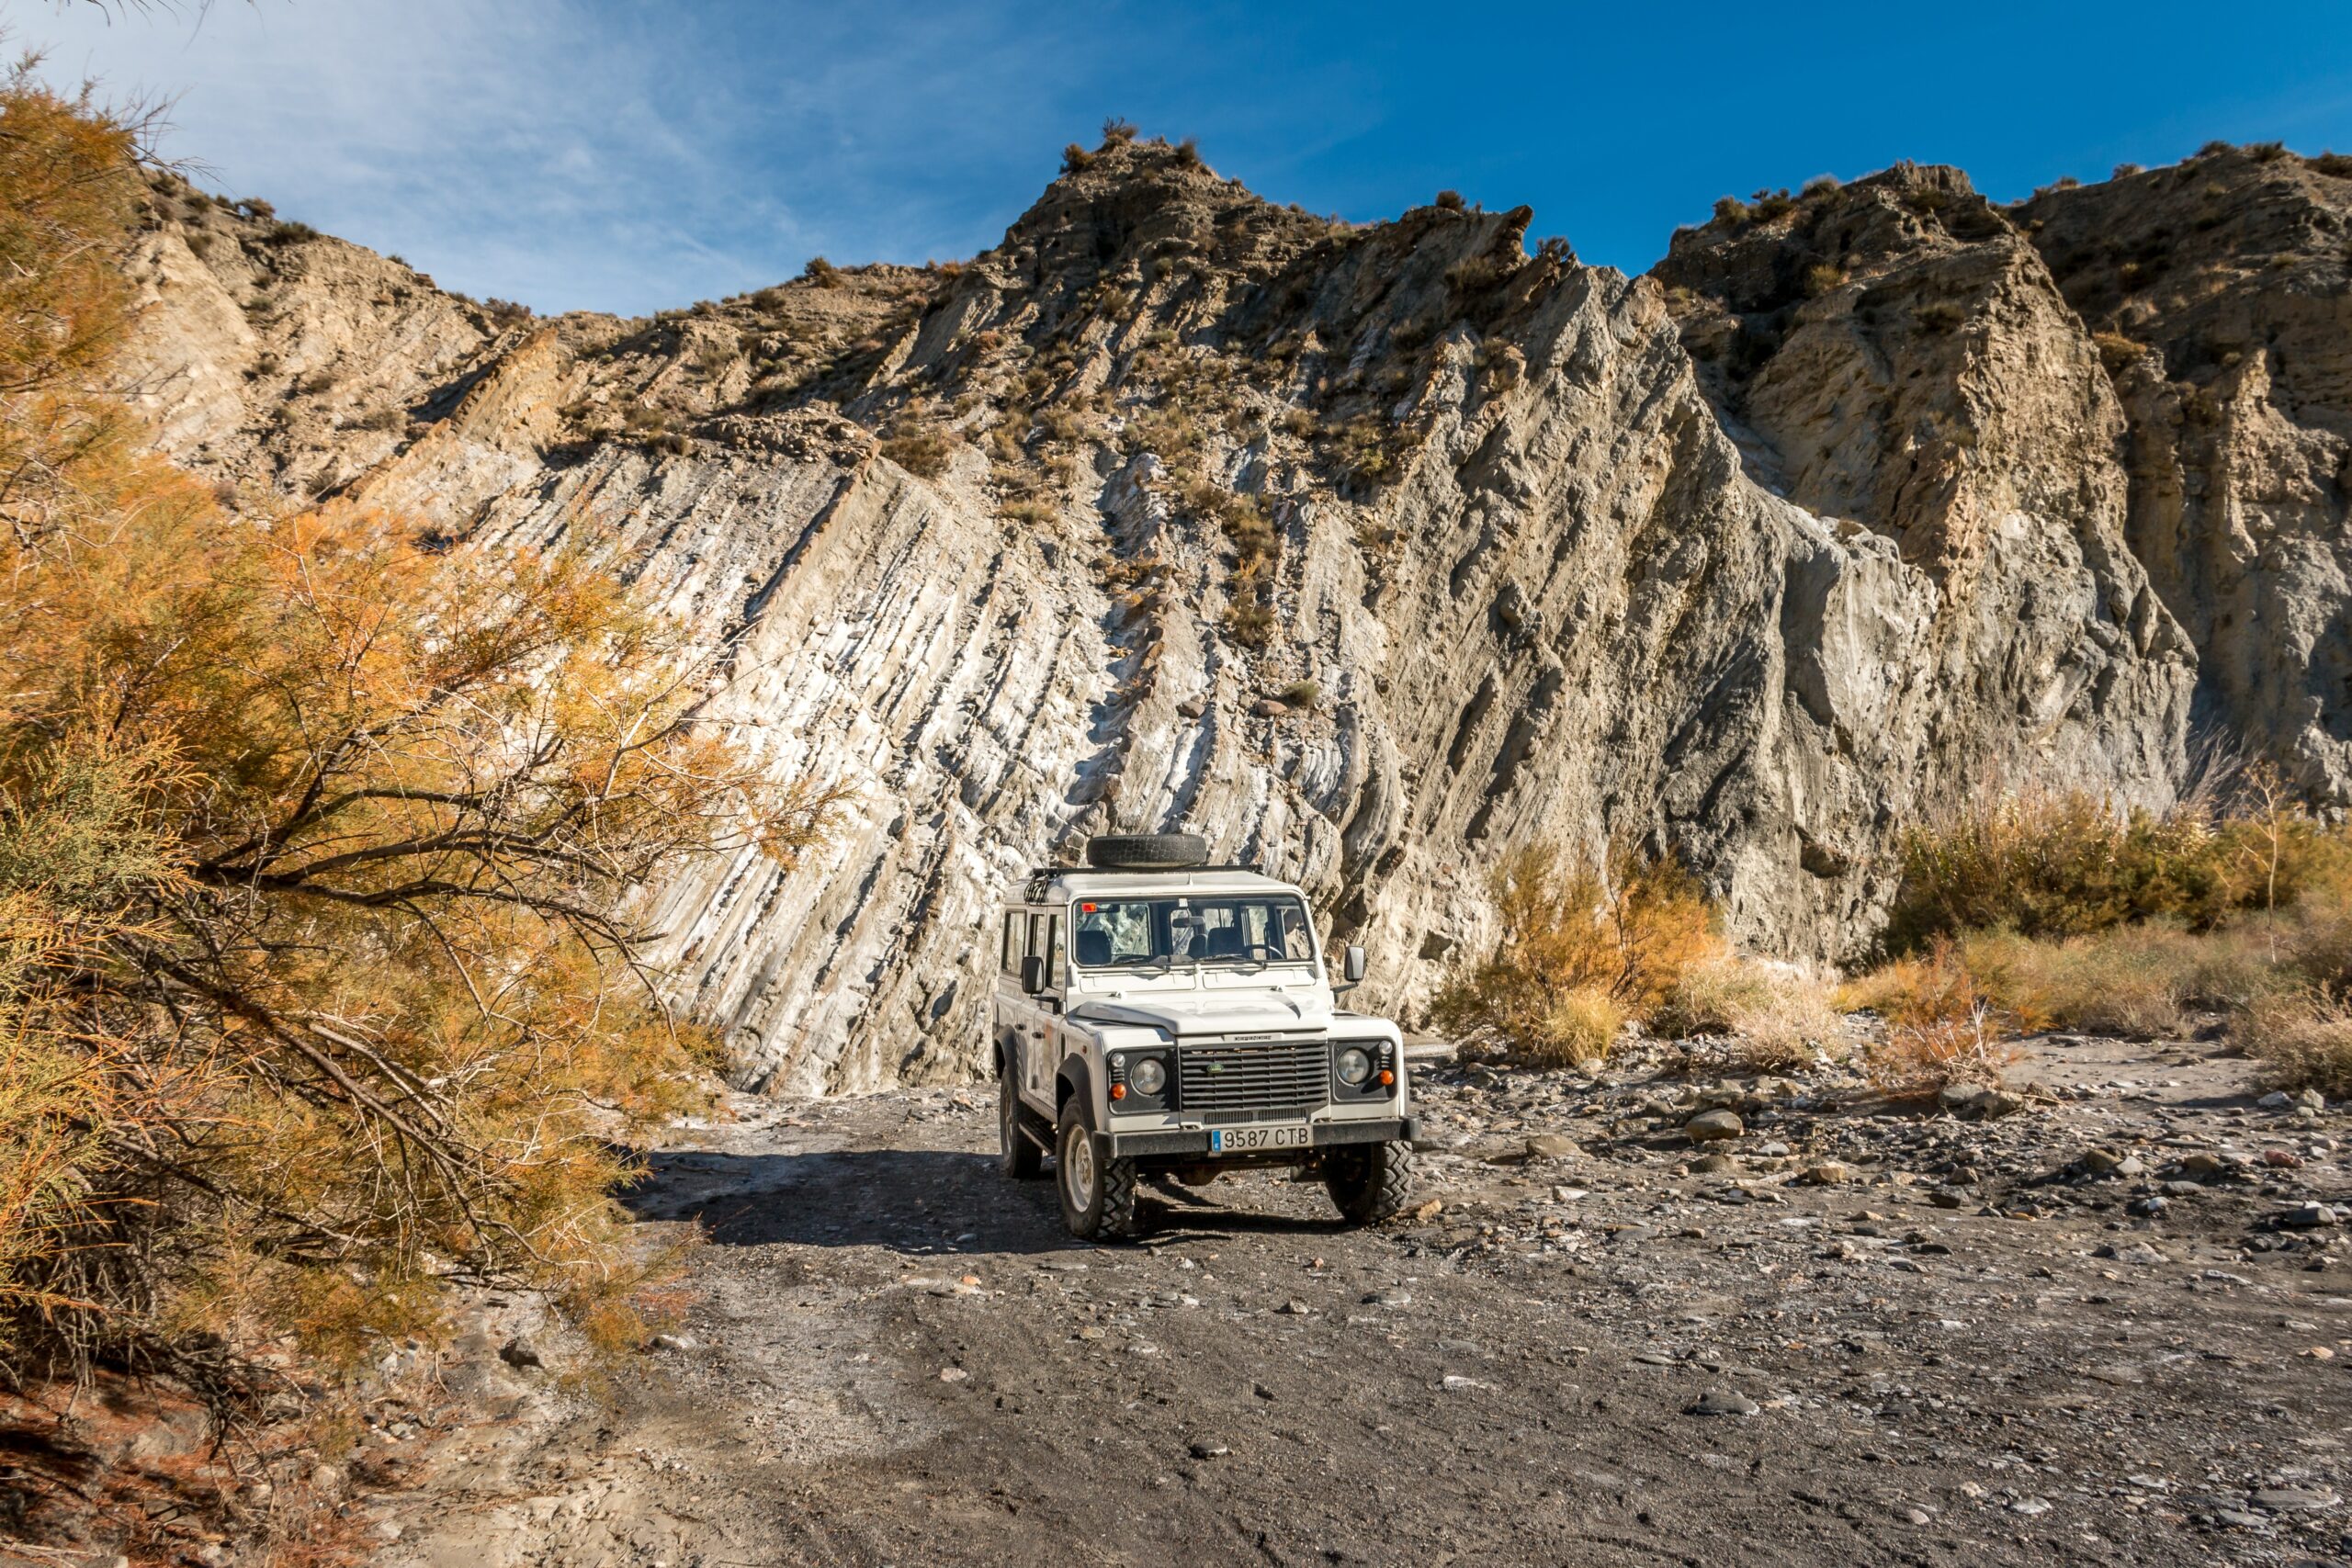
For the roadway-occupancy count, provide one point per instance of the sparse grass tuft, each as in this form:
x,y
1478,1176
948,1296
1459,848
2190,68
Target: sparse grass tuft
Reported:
x,y
2116,351
1777,1016
922,453
2303,1041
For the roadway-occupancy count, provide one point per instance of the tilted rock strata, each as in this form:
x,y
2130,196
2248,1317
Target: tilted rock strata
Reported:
x,y
2222,296
1019,550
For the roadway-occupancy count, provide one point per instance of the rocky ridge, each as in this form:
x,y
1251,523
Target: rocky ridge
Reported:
x,y
1370,551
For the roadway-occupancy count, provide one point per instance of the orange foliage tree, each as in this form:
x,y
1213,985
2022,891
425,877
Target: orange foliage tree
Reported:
x,y
318,982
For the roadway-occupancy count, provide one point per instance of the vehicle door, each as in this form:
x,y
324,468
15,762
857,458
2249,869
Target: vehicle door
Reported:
x,y
1009,1012
1016,1013
1044,1040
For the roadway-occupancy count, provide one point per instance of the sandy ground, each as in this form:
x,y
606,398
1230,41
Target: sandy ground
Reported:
x,y
2099,1329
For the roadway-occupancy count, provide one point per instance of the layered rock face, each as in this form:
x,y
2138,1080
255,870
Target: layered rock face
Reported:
x,y
1369,552
2218,291
1893,353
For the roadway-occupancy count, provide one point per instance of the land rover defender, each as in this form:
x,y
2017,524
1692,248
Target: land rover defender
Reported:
x,y
1158,1017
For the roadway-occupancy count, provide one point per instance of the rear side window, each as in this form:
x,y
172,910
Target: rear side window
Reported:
x,y
1008,945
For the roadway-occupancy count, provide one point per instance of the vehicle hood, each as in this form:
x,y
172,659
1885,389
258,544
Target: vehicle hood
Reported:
x,y
1212,1014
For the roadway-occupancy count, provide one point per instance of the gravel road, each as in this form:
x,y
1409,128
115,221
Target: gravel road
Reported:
x,y
2103,1325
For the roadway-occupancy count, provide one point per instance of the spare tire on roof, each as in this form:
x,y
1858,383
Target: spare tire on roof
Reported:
x,y
1146,851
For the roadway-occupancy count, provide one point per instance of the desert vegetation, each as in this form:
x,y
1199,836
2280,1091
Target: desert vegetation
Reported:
x,y
1585,945
2020,912
2051,909
320,987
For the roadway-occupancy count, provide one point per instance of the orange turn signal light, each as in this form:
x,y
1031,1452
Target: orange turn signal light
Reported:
x,y
1386,1076
1118,1091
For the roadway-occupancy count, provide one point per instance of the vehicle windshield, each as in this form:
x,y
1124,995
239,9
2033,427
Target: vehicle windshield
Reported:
x,y
1121,933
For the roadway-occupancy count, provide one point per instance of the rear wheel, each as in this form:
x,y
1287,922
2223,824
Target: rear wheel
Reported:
x,y
1098,1194
1370,1182
1019,1152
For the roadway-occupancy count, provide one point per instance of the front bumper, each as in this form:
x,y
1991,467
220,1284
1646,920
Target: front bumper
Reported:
x,y
1160,1143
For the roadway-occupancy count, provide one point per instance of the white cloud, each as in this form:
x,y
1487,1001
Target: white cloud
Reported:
x,y
624,155
533,148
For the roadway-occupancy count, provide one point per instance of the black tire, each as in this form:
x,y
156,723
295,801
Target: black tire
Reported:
x,y
1017,1151
1370,1182
1146,851
1106,1210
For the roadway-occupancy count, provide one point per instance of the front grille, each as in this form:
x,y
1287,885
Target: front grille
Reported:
x,y
1244,1082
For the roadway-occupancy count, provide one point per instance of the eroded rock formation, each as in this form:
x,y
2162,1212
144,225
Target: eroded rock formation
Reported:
x,y
1369,552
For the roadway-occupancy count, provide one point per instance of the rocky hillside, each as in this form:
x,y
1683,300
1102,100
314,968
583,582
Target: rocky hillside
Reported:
x,y
1371,551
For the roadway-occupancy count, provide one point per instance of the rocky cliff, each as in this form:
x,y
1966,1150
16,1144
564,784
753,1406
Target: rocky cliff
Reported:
x,y
1368,551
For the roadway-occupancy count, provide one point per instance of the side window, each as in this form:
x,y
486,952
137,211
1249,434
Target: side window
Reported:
x,y
1008,956
1036,948
1054,950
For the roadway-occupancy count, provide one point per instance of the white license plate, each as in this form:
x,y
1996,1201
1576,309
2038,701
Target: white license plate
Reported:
x,y
1239,1140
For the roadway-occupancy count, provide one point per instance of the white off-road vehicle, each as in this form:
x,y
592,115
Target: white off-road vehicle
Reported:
x,y
1160,1017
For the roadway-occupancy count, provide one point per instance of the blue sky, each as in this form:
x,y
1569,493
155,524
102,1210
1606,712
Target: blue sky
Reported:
x,y
627,154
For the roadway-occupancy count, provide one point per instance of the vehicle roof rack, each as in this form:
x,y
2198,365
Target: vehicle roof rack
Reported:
x,y
1046,872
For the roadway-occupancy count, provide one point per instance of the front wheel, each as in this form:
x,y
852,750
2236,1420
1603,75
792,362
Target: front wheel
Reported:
x,y
1016,1149
1370,1182
1098,1195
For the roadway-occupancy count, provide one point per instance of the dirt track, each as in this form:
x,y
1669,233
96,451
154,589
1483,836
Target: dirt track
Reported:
x,y
897,1357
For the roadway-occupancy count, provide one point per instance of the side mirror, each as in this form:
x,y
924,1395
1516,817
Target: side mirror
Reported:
x,y
1033,975
1353,965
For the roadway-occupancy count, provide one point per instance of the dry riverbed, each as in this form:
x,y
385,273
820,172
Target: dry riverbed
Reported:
x,y
2104,1325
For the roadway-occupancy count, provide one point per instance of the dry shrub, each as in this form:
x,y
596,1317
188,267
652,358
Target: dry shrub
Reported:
x,y
2057,864
922,453
1941,1027
1777,1016
2142,982
1582,949
2303,1041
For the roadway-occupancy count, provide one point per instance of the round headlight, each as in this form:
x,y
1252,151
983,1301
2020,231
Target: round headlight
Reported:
x,y
1146,1075
1355,1066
